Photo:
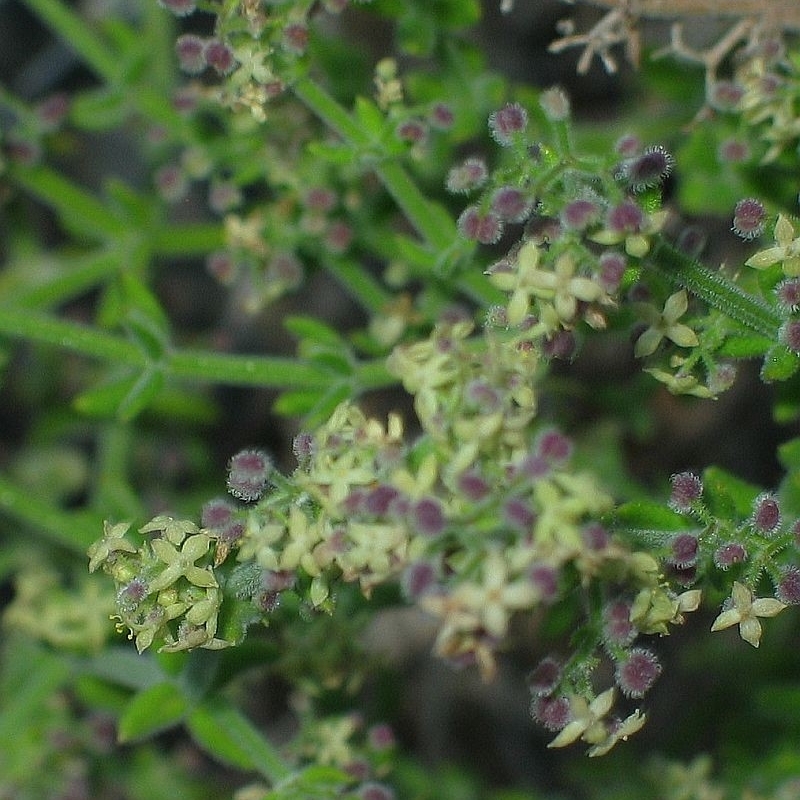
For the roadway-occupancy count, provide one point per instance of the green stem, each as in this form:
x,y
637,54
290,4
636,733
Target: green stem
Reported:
x,y
359,284
431,221
714,289
79,35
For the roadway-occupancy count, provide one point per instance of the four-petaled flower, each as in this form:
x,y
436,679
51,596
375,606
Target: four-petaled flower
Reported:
x,y
113,541
745,611
180,563
586,720
665,324
785,251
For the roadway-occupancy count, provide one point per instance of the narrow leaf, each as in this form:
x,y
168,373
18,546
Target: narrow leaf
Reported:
x,y
151,711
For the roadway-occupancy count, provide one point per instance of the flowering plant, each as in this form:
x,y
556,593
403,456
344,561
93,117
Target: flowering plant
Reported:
x,y
452,254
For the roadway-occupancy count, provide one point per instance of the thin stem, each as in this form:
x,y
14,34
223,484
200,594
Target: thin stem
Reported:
x,y
431,221
714,289
79,35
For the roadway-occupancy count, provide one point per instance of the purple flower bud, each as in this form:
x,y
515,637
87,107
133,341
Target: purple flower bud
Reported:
x,y
428,517
595,536
441,117
749,218
191,52
725,95
729,554
629,145
129,597
684,550
469,175
545,579
553,713
545,677
638,672
232,532
766,516
381,737
216,513
418,579
788,588
617,626
412,131
649,169
484,228
789,335
511,204
219,56
303,446
612,268
248,472
518,513
580,214
295,38
472,486
627,217
379,499
686,489
733,151
554,446
508,121
788,294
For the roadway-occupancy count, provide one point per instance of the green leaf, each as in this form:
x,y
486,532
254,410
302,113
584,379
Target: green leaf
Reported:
x,y
789,455
226,734
314,330
151,711
141,394
779,364
370,117
296,402
726,495
648,515
99,109
745,346
317,782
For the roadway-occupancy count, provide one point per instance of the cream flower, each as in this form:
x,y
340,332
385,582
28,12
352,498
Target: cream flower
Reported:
x,y
745,611
665,325
785,251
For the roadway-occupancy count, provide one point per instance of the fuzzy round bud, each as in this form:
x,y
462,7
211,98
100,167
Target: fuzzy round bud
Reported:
x,y
628,145
418,579
595,536
507,122
216,513
729,554
219,56
625,218
381,737
472,486
617,626
788,588
788,295
721,377
687,488
378,500
553,713
612,268
545,677
580,214
544,579
427,517
725,95
441,117
733,151
467,176
555,104
636,674
248,473
191,52
684,550
484,228
518,514
789,335
766,518
510,204
412,131
749,218
649,169
553,446
295,38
